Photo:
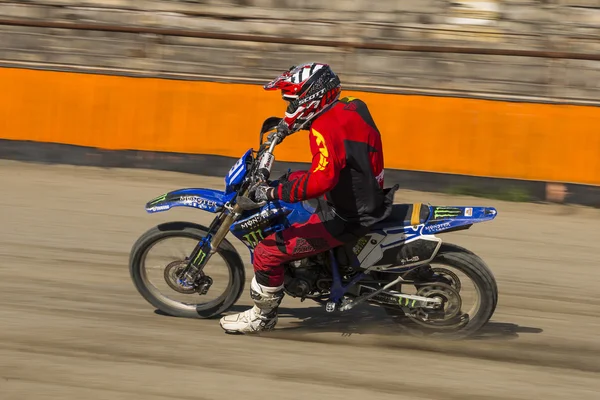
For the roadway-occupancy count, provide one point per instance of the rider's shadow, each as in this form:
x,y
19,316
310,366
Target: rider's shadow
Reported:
x,y
365,320
361,320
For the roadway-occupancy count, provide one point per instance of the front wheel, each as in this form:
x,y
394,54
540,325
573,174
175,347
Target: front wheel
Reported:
x,y
464,283
158,256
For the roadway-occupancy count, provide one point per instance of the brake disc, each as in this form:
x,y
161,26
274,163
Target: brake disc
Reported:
x,y
172,274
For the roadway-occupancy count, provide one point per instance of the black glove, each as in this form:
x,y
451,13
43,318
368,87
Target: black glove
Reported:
x,y
272,136
282,132
285,177
261,192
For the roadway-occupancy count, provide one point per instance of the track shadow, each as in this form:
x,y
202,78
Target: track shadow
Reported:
x,y
366,320
494,330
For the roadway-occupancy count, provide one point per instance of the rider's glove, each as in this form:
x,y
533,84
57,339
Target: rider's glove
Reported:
x,y
281,133
283,129
262,192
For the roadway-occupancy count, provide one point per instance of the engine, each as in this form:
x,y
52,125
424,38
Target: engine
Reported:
x,y
306,278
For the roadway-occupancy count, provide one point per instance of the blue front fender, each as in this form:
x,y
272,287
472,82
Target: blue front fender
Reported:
x,y
204,199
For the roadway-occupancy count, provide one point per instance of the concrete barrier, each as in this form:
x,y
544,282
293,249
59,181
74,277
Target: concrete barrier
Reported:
x,y
422,134
486,48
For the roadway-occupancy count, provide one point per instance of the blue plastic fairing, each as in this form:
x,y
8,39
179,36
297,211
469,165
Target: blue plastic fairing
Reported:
x,y
237,173
204,199
443,219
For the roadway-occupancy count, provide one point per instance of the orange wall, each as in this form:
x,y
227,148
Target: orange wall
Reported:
x,y
452,135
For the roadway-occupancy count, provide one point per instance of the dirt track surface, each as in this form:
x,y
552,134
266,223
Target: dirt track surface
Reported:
x,y
72,326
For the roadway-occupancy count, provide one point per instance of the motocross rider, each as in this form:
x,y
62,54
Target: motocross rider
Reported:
x,y
346,175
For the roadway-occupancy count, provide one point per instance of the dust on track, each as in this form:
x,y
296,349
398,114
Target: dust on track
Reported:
x,y
73,326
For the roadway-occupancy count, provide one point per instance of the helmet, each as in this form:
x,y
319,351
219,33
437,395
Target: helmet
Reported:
x,y
309,89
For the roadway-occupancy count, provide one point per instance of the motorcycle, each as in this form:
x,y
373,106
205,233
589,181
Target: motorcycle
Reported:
x,y
400,265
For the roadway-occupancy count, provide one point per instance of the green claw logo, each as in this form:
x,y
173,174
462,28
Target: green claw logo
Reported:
x,y
446,212
201,256
158,199
254,237
406,301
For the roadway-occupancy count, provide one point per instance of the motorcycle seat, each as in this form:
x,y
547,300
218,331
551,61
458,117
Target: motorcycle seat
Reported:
x,y
405,215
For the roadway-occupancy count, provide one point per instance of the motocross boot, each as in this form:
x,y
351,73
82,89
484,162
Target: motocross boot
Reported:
x,y
261,317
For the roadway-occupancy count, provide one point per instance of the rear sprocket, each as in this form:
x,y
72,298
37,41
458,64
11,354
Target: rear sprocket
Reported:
x,y
447,315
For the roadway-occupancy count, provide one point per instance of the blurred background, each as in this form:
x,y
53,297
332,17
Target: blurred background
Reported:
x,y
106,104
504,89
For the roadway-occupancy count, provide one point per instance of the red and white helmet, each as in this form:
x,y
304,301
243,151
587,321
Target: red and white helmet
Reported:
x,y
309,89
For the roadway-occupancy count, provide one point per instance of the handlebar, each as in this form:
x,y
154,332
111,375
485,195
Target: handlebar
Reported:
x,y
266,159
262,164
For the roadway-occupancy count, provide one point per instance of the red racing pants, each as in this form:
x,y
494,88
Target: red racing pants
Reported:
x,y
294,243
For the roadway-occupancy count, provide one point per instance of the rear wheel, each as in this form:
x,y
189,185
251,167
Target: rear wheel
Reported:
x,y
159,256
464,284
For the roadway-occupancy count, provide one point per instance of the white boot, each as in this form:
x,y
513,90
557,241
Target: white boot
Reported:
x,y
261,317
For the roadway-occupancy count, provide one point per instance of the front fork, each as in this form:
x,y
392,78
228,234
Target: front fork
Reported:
x,y
209,245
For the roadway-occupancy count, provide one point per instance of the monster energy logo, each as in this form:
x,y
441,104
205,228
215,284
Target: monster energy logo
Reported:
x,y
159,198
407,302
199,258
446,212
254,237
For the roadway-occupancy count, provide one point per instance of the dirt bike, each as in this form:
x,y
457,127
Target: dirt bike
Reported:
x,y
400,264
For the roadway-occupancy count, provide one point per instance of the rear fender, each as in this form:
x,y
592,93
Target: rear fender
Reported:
x,y
400,249
204,199
447,219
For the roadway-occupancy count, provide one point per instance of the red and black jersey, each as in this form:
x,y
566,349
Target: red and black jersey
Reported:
x,y
347,165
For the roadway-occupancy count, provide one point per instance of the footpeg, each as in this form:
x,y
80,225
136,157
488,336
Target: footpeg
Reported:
x,y
330,307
